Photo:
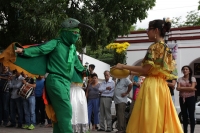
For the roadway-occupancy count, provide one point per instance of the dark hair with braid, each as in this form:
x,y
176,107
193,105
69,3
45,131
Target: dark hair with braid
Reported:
x,y
190,74
162,26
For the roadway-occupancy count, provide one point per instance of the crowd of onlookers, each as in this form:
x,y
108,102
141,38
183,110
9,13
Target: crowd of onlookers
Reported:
x,y
101,95
21,102
28,108
118,90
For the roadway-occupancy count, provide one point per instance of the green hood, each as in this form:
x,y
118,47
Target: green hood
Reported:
x,y
69,37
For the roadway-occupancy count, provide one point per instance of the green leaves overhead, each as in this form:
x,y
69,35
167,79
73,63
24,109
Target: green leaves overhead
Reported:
x,y
31,21
192,19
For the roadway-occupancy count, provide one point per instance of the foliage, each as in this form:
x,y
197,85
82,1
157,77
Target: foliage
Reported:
x,y
29,21
119,51
133,28
176,22
192,19
141,29
101,54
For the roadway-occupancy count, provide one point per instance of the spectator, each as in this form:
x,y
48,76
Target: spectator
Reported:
x,y
16,101
29,105
39,108
122,89
4,96
135,80
93,100
91,71
171,84
91,68
106,89
186,87
114,79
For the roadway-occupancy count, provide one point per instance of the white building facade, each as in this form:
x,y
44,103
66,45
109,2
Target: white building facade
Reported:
x,y
100,66
187,40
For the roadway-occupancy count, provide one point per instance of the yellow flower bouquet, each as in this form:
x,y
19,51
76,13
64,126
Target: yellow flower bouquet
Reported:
x,y
119,57
119,47
119,51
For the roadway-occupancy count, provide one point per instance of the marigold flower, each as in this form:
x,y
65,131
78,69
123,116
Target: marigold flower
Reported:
x,y
119,47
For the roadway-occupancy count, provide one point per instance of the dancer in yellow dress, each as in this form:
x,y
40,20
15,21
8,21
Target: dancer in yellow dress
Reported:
x,y
154,111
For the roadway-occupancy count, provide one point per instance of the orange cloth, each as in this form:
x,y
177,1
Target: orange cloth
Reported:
x,y
50,113
44,96
8,57
48,108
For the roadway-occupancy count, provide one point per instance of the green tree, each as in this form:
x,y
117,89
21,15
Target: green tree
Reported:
x,y
192,19
101,54
133,28
177,22
30,21
140,29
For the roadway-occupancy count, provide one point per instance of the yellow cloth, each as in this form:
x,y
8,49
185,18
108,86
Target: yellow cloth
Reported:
x,y
50,113
154,111
8,57
161,59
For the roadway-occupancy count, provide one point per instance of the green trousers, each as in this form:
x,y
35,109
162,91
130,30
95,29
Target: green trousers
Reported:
x,y
58,90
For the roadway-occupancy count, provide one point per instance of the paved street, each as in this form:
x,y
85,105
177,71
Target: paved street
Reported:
x,y
39,129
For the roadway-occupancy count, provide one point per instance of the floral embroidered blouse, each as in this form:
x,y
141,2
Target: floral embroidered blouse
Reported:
x,y
159,56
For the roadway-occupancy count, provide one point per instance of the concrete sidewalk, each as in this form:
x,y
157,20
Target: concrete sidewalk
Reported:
x,y
39,129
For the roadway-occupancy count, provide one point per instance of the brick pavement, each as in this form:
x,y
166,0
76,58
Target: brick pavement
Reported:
x,y
39,129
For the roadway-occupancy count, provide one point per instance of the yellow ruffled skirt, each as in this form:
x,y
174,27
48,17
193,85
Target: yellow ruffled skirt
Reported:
x,y
154,111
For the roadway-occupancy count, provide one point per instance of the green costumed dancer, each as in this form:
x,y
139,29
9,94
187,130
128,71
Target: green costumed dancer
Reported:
x,y
60,64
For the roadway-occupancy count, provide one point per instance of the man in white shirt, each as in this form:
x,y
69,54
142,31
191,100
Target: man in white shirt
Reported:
x,y
122,89
107,90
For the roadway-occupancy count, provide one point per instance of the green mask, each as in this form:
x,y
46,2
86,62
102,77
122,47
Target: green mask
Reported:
x,y
69,36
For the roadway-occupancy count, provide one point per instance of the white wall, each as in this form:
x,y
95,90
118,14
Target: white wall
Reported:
x,y
134,56
100,66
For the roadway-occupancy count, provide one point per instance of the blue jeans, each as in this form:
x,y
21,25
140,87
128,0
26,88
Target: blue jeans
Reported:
x,y
29,110
13,103
93,106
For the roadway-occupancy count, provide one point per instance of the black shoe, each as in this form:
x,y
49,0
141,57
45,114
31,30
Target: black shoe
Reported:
x,y
11,125
100,130
108,130
19,126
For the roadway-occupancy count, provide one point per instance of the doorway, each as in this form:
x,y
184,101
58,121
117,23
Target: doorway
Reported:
x,y
197,93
